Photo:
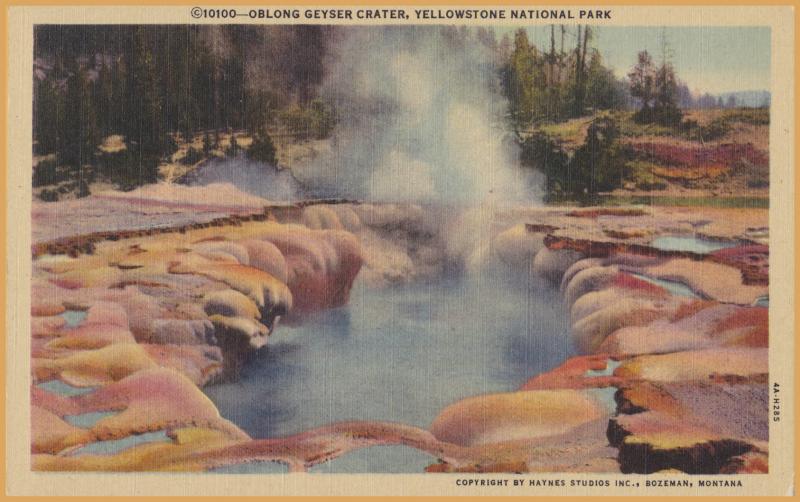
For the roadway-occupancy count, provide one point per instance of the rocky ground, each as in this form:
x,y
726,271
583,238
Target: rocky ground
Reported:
x,y
128,323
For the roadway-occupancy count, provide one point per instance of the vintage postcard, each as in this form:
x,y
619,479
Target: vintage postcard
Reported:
x,y
400,250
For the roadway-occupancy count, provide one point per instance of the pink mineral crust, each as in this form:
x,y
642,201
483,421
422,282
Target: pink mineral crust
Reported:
x,y
89,368
92,336
200,363
39,347
629,282
155,205
51,434
572,375
743,252
54,403
47,325
266,256
46,309
754,321
322,266
688,393
107,313
753,261
151,400
501,417
698,324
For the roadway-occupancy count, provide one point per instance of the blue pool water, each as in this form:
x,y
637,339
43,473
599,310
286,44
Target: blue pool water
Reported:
x,y
63,389
398,354
87,420
117,445
674,287
74,317
690,243
761,301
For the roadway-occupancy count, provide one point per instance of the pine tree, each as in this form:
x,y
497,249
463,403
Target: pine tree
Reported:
x,y
603,90
666,111
203,76
519,81
260,112
103,96
181,84
262,149
145,132
642,78
80,134
48,115
118,115
579,89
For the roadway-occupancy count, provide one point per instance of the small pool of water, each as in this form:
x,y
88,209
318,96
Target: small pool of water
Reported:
x,y
604,396
73,317
114,446
761,301
674,287
64,389
87,420
689,243
399,354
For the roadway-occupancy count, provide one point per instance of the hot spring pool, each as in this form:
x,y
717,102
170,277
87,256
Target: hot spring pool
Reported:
x,y
690,243
399,354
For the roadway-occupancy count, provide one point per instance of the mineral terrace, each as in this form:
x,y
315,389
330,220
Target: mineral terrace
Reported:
x,y
138,301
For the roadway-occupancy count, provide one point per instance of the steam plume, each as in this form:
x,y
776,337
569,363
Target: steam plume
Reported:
x,y
420,120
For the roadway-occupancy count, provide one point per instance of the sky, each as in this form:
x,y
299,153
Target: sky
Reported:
x,y
709,59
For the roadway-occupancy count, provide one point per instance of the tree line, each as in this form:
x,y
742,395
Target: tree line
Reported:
x,y
557,82
149,83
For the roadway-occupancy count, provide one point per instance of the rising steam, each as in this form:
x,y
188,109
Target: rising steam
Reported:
x,y
420,120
